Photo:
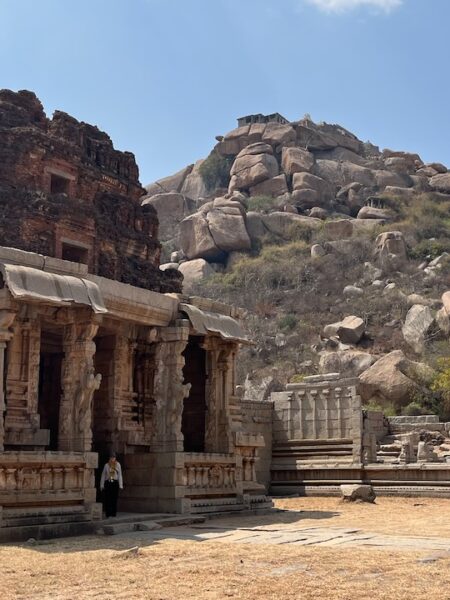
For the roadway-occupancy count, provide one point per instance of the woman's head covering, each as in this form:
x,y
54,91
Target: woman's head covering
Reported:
x,y
112,455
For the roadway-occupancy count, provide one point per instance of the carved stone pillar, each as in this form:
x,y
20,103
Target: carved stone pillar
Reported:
x,y
218,436
23,376
79,383
170,391
6,320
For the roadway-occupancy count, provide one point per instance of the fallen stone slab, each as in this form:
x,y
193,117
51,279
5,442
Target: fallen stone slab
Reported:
x,y
147,526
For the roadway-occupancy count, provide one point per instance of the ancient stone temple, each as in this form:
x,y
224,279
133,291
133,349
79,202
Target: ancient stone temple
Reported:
x,y
99,350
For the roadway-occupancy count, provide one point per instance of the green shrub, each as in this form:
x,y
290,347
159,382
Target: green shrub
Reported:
x,y
288,322
297,378
430,248
388,411
215,171
260,203
441,386
299,232
413,409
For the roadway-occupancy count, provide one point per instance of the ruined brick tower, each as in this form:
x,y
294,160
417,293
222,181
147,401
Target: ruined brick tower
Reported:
x,y
66,192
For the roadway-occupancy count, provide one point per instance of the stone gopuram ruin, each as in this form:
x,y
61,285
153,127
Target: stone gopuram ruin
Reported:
x,y
99,350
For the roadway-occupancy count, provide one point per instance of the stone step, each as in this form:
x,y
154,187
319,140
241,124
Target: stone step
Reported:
x,y
14,513
44,532
114,528
46,519
228,508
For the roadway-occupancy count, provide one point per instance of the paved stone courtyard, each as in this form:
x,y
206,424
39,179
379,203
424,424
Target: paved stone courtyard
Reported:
x,y
258,530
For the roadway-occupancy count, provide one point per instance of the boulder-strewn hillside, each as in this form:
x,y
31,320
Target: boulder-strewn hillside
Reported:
x,y
340,253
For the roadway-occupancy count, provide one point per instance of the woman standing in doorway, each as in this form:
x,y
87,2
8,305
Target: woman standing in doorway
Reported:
x,y
110,483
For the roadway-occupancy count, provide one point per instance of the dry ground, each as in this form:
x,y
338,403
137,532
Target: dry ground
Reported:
x,y
402,516
167,569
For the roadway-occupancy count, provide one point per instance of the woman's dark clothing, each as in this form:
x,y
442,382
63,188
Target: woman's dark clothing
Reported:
x,y
110,495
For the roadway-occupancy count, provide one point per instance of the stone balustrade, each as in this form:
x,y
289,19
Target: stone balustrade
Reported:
x,y
46,477
210,473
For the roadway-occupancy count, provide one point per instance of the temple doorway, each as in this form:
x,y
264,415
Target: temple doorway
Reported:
x,y
194,407
50,389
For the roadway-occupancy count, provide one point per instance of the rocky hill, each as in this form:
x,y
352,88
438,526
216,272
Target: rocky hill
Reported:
x,y
338,251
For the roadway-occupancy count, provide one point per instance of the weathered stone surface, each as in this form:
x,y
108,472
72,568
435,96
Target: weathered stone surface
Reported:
x,y
172,183
227,206
399,164
343,173
339,154
317,251
418,299
171,209
385,178
349,363
370,212
318,213
214,231
255,226
251,169
390,249
169,265
352,291
358,492
256,132
310,138
441,182
281,223
256,148
411,157
196,240
418,323
341,136
193,185
276,134
371,273
277,186
194,271
350,330
340,229
393,379
399,192
296,160
306,198
228,230
439,167
443,315
366,225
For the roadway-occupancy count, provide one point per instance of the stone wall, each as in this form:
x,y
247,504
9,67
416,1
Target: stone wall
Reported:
x,y
376,423
66,192
257,419
406,424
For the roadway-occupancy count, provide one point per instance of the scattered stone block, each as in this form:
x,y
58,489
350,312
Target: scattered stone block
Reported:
x,y
357,492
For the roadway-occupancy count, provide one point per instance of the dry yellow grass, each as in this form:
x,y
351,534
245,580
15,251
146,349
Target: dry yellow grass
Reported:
x,y
93,567
401,516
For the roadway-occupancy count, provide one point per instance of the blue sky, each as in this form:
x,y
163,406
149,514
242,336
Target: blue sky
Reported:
x,y
164,77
